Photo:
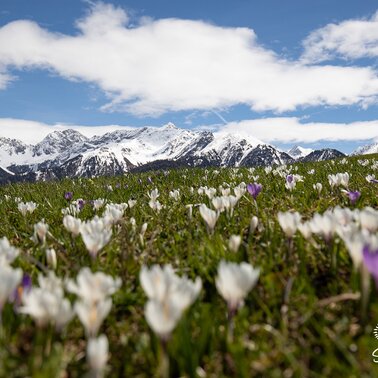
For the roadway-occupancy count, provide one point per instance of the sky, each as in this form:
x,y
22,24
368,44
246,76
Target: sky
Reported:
x,y
286,72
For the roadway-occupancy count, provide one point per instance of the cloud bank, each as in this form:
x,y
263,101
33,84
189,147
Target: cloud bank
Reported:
x,y
270,130
292,130
174,64
350,39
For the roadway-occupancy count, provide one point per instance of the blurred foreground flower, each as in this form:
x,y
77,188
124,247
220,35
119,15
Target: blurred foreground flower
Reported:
x,y
8,253
10,279
97,355
234,281
370,258
169,296
94,304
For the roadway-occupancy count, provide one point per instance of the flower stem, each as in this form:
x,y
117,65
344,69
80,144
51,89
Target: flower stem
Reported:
x,y
163,370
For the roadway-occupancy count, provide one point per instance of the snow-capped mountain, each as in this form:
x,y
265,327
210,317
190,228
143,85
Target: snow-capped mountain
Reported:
x,y
324,154
298,152
365,150
70,154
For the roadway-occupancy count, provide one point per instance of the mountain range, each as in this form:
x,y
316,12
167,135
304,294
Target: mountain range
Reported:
x,y
68,153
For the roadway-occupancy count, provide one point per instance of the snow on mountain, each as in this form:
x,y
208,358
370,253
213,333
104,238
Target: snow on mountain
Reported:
x,y
324,154
58,142
298,152
70,154
365,150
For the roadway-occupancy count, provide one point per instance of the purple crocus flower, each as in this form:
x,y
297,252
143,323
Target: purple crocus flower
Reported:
x,y
68,196
370,259
81,203
289,178
254,189
353,196
149,180
25,286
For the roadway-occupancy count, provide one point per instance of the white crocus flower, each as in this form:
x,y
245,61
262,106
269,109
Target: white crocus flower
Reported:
x,y
93,287
239,191
97,355
155,205
253,224
290,185
131,203
234,281
26,207
209,216
154,195
318,187
162,317
10,279
113,214
40,232
323,225
72,224
94,304
169,295
8,253
218,204
92,314
368,219
234,243
96,234
51,258
46,304
305,230
98,203
289,222
355,242
175,194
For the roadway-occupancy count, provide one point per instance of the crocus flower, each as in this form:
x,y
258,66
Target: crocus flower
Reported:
x,y
169,296
209,216
234,281
72,224
40,232
8,253
10,279
46,304
289,179
68,196
24,287
370,258
234,243
97,355
352,195
371,178
289,222
254,189
95,233
80,204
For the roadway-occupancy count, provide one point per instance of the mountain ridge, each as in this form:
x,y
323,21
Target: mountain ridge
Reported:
x,y
68,153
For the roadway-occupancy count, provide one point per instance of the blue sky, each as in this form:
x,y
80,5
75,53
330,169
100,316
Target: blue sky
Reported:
x,y
45,82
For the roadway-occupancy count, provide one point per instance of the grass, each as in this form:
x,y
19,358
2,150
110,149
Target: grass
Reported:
x,y
293,323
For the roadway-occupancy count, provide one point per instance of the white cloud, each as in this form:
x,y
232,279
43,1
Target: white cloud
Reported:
x,y
33,132
349,39
292,130
271,130
174,64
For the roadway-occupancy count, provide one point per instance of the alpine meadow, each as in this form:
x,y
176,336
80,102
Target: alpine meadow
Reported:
x,y
192,273
188,189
